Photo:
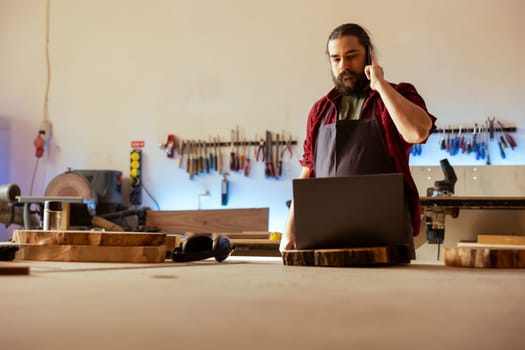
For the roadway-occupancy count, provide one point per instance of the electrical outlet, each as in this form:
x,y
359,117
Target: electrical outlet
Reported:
x,y
46,130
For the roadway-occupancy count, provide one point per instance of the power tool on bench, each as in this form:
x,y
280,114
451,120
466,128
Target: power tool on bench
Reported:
x,y
444,187
435,217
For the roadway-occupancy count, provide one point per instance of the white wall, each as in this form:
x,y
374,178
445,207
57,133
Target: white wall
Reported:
x,y
5,143
125,70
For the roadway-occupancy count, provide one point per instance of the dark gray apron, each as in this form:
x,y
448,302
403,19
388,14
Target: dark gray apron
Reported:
x,y
354,147
351,147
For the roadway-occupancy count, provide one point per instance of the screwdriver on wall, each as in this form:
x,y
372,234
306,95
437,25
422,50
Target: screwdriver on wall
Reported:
x,y
233,157
247,160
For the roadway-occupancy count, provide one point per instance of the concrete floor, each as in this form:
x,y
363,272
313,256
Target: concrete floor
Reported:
x,y
257,303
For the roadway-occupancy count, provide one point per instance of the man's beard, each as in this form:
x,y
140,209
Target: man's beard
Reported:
x,y
358,87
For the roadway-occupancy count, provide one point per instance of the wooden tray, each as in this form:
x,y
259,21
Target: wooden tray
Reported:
x,y
371,256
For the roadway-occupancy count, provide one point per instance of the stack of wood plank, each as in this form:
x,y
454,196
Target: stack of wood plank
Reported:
x,y
93,246
489,251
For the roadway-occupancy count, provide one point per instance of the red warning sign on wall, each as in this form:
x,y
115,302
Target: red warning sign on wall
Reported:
x,y
137,144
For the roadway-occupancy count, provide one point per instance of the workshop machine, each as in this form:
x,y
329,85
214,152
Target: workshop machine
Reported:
x,y
435,216
10,211
94,199
102,187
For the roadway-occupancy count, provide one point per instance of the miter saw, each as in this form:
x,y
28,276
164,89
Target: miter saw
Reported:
x,y
93,197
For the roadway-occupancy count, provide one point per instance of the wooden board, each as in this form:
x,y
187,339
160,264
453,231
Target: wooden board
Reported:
x,y
93,238
89,253
247,235
255,247
484,257
467,244
14,269
209,221
502,239
348,257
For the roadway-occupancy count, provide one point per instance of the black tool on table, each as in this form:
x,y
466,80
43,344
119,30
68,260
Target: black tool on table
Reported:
x,y
446,186
8,250
200,247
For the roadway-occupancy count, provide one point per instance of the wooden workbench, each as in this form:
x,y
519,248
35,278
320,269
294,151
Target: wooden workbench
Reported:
x,y
256,303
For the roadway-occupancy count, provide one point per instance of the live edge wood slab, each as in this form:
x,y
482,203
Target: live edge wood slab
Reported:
x,y
485,257
349,257
94,238
89,246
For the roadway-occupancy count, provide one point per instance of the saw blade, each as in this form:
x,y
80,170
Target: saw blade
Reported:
x,y
70,184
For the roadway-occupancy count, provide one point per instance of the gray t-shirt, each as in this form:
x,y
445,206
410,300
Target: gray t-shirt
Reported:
x,y
350,107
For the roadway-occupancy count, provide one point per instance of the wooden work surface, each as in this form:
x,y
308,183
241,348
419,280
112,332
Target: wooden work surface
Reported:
x,y
255,303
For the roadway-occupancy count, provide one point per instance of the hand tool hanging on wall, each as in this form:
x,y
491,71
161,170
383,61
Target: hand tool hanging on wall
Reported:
x,y
501,138
247,163
182,149
225,189
481,145
415,150
260,151
510,139
278,162
202,162
486,145
490,127
269,169
502,145
442,142
456,142
189,160
242,157
287,147
170,146
233,156
447,143
195,157
468,144
450,143
239,161
474,144
211,158
218,156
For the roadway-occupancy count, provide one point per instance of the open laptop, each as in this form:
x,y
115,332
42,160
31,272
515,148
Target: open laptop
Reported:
x,y
348,212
